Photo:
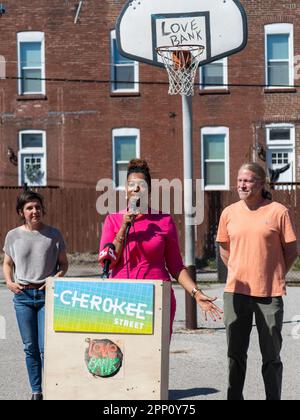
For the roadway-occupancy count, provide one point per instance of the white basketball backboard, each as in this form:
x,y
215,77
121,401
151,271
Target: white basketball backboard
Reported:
x,y
143,25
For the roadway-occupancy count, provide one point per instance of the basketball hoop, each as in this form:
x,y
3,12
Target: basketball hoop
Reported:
x,y
181,63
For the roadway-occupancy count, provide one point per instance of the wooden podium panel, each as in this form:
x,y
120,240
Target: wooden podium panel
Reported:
x,y
144,372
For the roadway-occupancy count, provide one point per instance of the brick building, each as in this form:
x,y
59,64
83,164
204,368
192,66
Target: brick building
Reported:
x,y
67,120
71,134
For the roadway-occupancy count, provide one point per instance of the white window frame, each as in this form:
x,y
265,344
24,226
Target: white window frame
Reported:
x,y
224,61
281,144
280,29
34,151
213,131
135,66
124,132
23,37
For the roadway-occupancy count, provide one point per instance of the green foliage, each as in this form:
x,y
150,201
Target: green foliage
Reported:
x,y
296,266
206,263
34,173
212,263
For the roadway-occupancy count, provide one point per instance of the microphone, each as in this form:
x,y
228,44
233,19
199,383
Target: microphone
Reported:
x,y
107,257
133,205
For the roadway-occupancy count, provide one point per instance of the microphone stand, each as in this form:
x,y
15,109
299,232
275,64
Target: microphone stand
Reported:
x,y
105,275
125,246
128,226
107,262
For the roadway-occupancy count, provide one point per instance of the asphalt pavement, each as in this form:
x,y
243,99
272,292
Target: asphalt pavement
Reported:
x,y
198,365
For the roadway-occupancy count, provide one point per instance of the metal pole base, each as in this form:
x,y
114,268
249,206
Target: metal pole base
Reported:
x,y
190,304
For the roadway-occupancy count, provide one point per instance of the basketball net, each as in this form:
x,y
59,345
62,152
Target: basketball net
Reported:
x,y
181,63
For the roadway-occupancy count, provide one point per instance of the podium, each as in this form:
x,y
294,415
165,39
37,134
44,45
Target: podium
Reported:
x,y
106,339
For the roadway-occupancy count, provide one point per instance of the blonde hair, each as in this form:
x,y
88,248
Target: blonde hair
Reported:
x,y
260,174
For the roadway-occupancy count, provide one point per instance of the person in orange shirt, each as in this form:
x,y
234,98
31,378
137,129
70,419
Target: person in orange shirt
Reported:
x,y
258,245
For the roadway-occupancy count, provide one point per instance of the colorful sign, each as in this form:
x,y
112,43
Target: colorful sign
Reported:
x,y
103,358
103,307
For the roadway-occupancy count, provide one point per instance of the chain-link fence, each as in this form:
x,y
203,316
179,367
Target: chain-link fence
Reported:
x,y
216,201
75,215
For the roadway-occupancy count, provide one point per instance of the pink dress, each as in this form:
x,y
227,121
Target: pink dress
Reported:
x,y
152,249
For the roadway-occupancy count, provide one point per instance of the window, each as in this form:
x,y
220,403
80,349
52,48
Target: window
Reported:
x,y
126,146
124,72
279,46
280,134
279,158
281,153
32,158
215,158
31,63
214,75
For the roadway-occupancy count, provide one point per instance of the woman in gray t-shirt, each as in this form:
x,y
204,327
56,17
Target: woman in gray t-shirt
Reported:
x,y
33,252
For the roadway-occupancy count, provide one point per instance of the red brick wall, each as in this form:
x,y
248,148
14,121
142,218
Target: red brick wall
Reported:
x,y
79,117
79,142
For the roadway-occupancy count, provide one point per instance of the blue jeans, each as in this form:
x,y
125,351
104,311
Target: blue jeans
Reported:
x,y
30,311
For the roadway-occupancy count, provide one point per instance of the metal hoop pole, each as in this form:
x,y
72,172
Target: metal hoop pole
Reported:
x,y
187,123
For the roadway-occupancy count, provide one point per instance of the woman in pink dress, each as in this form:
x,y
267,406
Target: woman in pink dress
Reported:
x,y
151,249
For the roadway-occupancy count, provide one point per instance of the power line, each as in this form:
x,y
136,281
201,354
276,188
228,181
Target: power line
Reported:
x,y
120,82
228,65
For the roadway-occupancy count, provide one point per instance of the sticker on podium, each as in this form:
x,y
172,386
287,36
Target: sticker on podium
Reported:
x,y
103,307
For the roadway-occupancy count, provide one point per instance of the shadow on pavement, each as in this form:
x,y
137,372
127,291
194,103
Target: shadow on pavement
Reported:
x,y
177,394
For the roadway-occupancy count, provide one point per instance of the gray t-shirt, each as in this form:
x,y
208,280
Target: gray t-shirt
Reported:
x,y
34,253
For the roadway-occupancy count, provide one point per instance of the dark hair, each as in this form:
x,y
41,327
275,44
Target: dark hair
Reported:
x,y
27,196
139,166
260,174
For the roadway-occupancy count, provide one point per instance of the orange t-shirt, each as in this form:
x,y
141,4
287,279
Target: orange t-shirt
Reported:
x,y
256,265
